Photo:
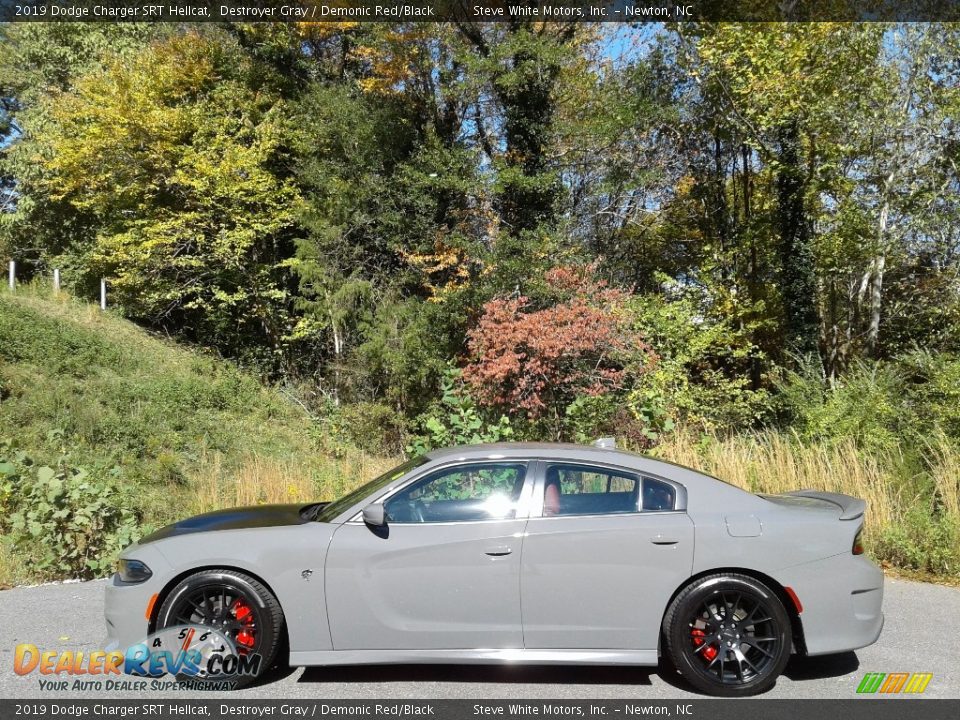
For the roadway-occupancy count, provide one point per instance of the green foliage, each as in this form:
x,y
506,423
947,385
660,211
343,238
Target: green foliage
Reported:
x,y
456,420
591,416
923,540
355,208
388,223
373,427
702,374
10,461
68,521
173,162
881,405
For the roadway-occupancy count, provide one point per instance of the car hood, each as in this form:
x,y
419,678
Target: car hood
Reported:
x,y
262,516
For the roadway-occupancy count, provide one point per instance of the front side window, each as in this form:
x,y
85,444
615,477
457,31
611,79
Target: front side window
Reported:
x,y
478,491
585,490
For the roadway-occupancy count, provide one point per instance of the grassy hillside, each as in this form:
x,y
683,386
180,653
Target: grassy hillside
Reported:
x,y
175,430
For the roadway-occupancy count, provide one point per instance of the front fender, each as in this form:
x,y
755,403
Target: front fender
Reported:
x,y
289,560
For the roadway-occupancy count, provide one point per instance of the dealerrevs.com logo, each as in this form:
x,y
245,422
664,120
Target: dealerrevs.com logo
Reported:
x,y
197,656
893,683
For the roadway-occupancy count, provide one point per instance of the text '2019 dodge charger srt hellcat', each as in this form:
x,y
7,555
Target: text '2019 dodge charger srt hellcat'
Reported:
x,y
519,553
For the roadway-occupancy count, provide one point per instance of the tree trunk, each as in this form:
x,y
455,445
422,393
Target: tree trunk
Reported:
x,y
796,247
877,267
337,352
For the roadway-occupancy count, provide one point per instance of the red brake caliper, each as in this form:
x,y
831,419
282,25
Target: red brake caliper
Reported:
x,y
246,638
709,652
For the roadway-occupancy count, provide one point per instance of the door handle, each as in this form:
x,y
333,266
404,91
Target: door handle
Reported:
x,y
664,540
499,551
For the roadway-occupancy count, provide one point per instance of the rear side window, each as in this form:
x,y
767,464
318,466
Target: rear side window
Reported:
x,y
588,490
658,495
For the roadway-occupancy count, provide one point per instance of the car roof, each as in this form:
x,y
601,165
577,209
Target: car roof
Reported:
x,y
568,451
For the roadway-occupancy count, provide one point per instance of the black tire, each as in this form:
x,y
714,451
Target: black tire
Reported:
x,y
728,635
266,626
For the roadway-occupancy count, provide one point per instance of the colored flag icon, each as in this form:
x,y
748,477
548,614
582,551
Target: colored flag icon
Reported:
x,y
892,683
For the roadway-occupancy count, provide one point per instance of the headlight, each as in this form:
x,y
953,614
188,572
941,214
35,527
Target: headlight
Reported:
x,y
133,571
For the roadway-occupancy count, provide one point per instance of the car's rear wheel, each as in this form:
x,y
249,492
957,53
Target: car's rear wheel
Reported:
x,y
728,635
234,606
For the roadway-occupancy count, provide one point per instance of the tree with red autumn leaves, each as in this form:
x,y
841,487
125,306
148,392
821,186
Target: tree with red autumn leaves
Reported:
x,y
538,360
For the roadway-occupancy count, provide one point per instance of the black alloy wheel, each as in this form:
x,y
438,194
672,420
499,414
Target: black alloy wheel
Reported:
x,y
232,604
728,635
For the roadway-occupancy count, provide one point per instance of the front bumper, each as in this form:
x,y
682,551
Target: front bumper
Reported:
x,y
842,598
125,604
124,610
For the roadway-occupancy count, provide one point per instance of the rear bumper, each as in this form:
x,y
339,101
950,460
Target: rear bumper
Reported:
x,y
842,598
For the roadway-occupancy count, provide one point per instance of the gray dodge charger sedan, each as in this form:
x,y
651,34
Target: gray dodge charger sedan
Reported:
x,y
515,553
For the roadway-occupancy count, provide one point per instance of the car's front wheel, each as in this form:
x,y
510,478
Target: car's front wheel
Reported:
x,y
728,635
234,619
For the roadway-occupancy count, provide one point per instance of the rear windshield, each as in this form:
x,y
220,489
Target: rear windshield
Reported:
x,y
343,504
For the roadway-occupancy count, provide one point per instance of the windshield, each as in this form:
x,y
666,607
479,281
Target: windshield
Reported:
x,y
331,511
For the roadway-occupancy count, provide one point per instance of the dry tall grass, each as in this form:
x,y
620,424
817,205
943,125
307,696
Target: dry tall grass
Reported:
x,y
775,463
260,480
946,476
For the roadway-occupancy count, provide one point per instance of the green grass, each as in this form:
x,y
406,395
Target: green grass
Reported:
x,y
88,384
184,431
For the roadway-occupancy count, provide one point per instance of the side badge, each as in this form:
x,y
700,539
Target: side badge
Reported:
x,y
306,574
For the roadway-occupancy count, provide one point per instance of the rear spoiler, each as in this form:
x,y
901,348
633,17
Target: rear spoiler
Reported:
x,y
850,507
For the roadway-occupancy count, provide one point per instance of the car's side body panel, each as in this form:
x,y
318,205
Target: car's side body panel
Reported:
x,y
842,600
425,586
594,581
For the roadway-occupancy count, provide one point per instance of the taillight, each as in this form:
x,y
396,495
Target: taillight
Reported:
x,y
858,543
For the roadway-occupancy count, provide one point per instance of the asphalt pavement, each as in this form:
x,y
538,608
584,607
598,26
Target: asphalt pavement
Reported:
x,y
922,634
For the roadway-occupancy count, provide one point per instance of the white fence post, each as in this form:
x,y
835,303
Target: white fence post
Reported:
x,y
56,280
103,294
13,276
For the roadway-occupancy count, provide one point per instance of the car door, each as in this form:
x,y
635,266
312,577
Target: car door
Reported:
x,y
443,573
605,548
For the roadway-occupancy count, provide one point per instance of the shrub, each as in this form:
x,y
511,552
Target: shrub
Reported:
x,y
70,522
456,420
637,421
373,427
541,360
865,405
702,378
879,404
9,478
922,540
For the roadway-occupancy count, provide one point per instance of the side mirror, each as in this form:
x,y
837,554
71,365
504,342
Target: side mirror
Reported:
x,y
375,515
